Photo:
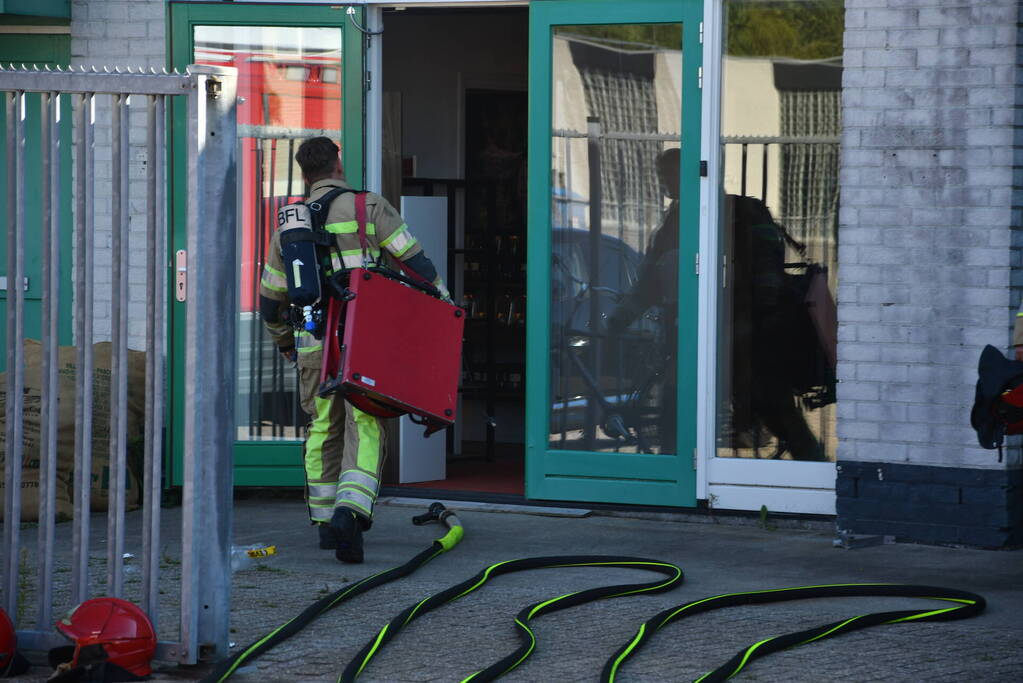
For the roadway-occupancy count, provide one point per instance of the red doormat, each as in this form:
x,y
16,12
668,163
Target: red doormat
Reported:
x,y
502,475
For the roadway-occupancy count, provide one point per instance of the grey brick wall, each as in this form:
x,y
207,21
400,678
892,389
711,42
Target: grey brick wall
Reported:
x,y
929,257
120,33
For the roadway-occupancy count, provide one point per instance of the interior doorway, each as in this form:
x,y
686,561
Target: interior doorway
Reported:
x,y
455,127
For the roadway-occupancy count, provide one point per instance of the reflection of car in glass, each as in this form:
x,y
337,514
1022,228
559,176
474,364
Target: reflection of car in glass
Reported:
x,y
603,385
616,272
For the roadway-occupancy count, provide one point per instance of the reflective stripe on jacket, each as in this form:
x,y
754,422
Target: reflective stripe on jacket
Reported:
x,y
387,237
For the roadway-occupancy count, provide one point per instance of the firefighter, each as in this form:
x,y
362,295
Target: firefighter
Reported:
x,y
345,447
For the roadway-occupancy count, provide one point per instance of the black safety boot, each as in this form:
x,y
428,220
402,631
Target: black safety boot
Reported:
x,y
348,533
327,540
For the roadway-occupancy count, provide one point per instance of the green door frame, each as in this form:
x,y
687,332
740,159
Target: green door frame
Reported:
x,y
38,50
664,480
270,463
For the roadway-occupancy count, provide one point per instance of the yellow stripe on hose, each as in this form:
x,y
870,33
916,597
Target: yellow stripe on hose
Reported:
x,y
532,646
524,657
376,645
412,614
829,631
628,650
921,615
486,575
683,608
749,653
548,602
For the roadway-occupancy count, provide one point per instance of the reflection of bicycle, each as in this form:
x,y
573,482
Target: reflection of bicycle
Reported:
x,y
594,373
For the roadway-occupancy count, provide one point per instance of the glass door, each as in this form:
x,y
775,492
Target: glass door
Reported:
x,y
781,126
613,243
299,76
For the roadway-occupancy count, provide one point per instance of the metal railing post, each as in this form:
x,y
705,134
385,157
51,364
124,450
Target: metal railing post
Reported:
x,y
210,364
50,196
84,255
156,268
118,347
15,344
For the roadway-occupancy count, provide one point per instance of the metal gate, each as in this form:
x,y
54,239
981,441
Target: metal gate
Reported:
x,y
58,570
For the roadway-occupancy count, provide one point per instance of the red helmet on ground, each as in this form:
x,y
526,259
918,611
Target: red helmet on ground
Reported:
x,y
119,627
11,663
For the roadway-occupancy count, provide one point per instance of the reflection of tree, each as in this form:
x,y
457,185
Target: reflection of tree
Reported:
x,y
801,29
647,35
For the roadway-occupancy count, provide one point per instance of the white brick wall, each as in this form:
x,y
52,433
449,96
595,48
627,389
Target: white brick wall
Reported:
x,y
929,258
120,33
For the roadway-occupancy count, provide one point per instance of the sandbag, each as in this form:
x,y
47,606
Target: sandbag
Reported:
x,y
102,397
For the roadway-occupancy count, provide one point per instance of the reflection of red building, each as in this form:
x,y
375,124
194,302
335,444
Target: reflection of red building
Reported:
x,y
283,98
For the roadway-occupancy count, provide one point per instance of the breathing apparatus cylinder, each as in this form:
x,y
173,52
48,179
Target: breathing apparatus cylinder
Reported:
x,y
301,265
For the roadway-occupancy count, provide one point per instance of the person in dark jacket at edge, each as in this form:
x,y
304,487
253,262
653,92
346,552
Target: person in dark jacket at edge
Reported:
x,y
345,447
657,285
761,389
769,345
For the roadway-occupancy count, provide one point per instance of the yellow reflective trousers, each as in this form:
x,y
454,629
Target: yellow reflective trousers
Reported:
x,y
344,453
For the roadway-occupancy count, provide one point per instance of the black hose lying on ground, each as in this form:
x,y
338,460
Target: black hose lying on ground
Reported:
x,y
225,668
506,664
969,604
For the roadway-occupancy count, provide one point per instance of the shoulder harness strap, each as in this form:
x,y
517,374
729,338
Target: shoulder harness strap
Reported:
x,y
360,219
319,208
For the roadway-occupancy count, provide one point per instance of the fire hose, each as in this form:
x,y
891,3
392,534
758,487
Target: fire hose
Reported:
x,y
437,513
965,605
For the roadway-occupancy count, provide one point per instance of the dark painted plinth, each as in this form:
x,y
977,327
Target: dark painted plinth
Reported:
x,y
936,505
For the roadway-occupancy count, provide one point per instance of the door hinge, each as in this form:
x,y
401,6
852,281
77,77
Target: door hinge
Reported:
x,y
694,458
703,168
701,33
369,81
724,271
180,275
697,263
699,78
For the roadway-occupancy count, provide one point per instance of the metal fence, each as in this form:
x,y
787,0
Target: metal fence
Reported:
x,y
209,94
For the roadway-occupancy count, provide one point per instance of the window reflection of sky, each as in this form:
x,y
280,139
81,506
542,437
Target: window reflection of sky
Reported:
x,y
275,39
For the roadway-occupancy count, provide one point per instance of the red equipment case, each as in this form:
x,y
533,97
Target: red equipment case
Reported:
x,y
401,351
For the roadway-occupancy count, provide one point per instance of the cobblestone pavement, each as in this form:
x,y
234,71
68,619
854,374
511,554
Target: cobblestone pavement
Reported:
x,y
464,636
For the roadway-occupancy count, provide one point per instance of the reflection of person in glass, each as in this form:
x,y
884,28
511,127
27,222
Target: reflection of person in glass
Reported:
x,y
767,334
657,285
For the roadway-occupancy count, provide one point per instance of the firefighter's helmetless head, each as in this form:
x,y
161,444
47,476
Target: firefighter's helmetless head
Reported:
x,y
320,158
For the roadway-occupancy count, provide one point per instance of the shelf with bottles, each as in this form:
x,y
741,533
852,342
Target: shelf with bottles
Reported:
x,y
508,381
482,393
494,258
509,311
